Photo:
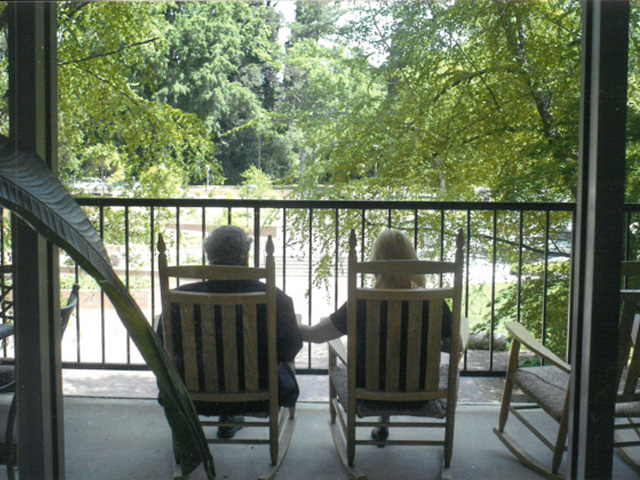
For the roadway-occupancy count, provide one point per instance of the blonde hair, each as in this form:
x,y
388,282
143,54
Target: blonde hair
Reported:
x,y
394,245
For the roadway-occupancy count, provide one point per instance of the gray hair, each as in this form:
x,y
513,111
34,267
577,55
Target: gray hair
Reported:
x,y
227,245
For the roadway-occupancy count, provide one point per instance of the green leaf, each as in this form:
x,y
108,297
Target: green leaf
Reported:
x,y
29,189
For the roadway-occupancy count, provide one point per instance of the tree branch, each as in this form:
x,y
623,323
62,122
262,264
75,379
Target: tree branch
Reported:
x,y
110,84
516,42
106,54
492,94
465,77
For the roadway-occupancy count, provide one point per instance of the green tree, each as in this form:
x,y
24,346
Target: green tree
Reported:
x,y
315,20
328,96
256,184
222,66
99,51
469,95
442,101
101,160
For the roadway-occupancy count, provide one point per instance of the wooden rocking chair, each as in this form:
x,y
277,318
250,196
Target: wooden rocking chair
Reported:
x,y
215,339
393,364
8,408
547,386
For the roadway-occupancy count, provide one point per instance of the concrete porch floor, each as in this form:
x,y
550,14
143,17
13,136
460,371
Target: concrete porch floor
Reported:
x,y
114,429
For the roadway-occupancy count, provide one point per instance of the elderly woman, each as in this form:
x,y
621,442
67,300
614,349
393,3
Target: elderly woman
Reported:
x,y
390,245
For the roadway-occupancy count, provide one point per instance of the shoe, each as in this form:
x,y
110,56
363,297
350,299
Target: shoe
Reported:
x,y
226,433
380,433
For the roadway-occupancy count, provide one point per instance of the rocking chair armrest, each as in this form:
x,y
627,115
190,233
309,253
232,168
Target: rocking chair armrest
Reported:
x,y
336,348
523,336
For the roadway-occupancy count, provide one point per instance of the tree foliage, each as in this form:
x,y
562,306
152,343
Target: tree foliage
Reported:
x,y
468,96
221,65
444,101
99,49
315,21
469,99
548,321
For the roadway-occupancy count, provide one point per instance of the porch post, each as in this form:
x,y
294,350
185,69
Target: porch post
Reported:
x,y
598,238
33,124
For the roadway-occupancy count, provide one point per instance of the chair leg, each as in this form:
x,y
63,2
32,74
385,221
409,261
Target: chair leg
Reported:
x,y
563,430
445,473
341,448
283,437
448,442
508,385
274,435
351,439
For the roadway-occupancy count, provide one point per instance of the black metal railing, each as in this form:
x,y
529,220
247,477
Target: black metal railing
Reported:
x,y
518,263
503,241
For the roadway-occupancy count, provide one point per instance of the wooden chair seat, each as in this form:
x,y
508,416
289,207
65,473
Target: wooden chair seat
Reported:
x,y
371,408
546,385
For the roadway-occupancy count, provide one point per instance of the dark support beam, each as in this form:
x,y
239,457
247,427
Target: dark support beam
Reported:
x,y
599,237
33,124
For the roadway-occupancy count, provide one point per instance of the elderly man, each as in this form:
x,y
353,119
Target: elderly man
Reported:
x,y
229,245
